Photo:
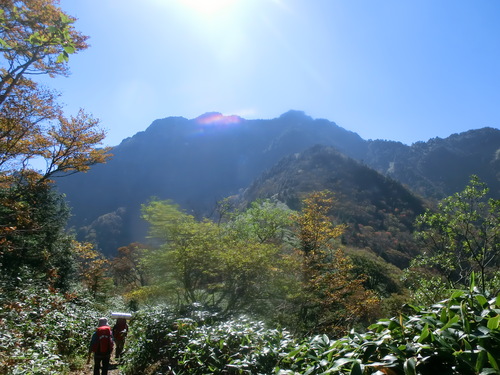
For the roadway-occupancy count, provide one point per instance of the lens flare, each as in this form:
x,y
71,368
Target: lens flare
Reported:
x,y
213,119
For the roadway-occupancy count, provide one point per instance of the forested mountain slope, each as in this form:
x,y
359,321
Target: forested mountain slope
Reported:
x,y
200,161
379,211
440,167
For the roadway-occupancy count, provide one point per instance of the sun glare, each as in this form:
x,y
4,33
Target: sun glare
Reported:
x,y
208,7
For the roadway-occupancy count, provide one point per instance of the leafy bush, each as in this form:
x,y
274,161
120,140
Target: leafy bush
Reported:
x,y
201,344
457,336
41,330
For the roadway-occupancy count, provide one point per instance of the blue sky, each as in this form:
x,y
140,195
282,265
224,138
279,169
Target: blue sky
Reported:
x,y
387,69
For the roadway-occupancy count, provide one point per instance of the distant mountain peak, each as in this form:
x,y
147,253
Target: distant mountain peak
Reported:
x,y
217,118
294,114
196,162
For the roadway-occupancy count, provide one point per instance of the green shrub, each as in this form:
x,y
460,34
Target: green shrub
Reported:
x,y
457,336
201,344
42,331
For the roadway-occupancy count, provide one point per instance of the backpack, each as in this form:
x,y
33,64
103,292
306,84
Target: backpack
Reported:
x,y
104,342
120,329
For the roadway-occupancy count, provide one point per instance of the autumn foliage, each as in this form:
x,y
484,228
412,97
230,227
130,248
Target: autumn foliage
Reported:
x,y
264,260
37,38
128,273
334,297
38,142
93,268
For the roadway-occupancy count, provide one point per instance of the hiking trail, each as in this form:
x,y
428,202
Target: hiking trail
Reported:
x,y
89,368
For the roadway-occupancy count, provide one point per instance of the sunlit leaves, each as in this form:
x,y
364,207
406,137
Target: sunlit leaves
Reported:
x,y
334,298
266,221
461,237
201,343
248,263
200,261
315,227
36,34
21,132
37,38
93,268
451,337
73,145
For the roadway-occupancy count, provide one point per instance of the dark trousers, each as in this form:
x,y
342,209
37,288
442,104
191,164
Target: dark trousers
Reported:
x,y
119,348
101,361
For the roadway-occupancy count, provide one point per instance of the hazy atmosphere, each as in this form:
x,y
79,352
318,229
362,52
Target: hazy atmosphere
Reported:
x,y
249,187
405,71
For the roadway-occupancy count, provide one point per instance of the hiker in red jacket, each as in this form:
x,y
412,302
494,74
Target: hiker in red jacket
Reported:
x,y
102,346
120,330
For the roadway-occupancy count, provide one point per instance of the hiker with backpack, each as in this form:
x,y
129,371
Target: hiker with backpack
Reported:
x,y
101,345
120,330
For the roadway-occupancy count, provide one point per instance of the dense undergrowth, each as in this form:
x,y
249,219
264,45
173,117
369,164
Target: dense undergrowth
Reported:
x,y
44,331
457,336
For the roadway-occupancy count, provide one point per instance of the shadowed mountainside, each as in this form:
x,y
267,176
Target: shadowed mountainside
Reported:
x,y
200,161
379,211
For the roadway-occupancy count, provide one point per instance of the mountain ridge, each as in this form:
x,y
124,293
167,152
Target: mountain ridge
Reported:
x,y
378,210
200,161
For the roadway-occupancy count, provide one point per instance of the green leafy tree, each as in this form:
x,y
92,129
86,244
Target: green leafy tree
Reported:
x,y
247,263
461,237
203,262
182,268
33,234
267,224
265,221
